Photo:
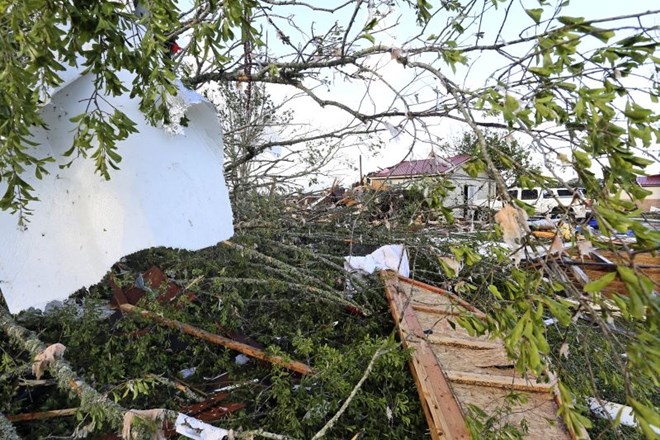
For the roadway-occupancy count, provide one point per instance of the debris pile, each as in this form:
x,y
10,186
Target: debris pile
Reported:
x,y
271,334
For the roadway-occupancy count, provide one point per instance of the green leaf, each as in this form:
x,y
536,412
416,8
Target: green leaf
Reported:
x,y
535,14
582,159
637,113
603,35
511,103
372,24
600,283
540,71
368,37
496,293
568,21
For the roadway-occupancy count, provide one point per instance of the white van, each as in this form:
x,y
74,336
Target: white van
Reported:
x,y
546,201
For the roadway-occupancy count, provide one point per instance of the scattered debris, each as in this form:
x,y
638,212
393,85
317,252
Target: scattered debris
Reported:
x,y
454,370
283,295
198,430
153,280
44,359
392,257
212,409
615,411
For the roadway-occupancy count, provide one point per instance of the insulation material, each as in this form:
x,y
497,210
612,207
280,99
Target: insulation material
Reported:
x,y
390,257
169,192
43,360
513,222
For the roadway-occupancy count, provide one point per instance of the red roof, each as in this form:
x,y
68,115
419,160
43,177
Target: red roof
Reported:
x,y
424,167
649,180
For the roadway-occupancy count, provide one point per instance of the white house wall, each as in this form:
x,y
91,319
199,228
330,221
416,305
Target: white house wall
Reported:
x,y
484,187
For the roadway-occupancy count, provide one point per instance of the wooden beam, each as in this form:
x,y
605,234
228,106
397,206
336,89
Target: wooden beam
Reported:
x,y
246,349
600,257
446,293
42,415
505,382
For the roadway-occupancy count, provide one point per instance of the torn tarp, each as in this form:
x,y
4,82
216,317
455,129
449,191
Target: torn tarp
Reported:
x,y
392,257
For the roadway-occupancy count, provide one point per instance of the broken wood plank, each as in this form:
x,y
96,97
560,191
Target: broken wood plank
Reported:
x,y
246,349
597,255
474,369
544,234
580,275
42,415
442,410
511,383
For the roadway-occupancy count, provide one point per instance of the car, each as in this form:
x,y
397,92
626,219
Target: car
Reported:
x,y
546,201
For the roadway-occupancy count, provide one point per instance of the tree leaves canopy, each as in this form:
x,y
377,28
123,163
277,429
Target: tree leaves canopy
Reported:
x,y
582,92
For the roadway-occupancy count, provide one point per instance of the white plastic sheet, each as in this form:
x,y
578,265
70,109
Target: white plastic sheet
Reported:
x,y
393,257
198,430
170,192
611,410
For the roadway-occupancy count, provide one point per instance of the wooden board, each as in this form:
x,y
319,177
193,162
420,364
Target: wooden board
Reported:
x,y
602,262
454,371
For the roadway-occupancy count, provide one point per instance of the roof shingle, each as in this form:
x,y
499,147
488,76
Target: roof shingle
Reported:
x,y
423,167
653,180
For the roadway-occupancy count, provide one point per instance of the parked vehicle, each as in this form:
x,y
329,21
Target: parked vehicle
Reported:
x,y
546,201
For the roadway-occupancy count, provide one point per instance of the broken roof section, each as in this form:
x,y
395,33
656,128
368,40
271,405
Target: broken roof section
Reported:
x,y
456,371
170,192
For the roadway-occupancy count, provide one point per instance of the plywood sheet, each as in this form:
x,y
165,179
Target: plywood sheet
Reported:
x,y
536,411
476,369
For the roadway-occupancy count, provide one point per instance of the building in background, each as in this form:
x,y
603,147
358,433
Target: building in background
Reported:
x,y
650,183
467,188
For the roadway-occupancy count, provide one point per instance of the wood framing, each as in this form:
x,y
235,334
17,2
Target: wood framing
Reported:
x,y
454,371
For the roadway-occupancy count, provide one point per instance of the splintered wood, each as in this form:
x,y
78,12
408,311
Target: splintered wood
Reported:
x,y
454,370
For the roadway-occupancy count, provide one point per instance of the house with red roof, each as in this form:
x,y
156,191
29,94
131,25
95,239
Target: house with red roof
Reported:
x,y
652,184
408,172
